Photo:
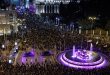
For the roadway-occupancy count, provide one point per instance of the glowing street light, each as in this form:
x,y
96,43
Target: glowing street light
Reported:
x,y
80,29
25,27
16,43
3,46
92,20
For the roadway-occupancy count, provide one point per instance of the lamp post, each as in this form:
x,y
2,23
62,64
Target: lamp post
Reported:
x,y
107,34
80,29
4,33
92,19
58,21
3,46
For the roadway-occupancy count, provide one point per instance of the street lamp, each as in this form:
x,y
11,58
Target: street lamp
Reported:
x,y
3,46
4,33
16,43
80,29
57,20
92,19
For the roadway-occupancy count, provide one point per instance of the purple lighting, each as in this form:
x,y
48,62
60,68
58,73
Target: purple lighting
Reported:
x,y
74,54
28,56
91,47
85,55
84,59
83,67
23,60
32,8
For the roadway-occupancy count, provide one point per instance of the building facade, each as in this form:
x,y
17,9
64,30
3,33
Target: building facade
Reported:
x,y
43,6
49,6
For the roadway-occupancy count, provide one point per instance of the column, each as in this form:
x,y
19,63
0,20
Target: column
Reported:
x,y
45,8
27,3
36,9
57,8
93,32
49,8
80,29
100,32
106,33
54,8
42,8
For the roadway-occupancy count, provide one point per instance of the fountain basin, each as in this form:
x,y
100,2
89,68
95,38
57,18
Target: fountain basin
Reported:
x,y
94,60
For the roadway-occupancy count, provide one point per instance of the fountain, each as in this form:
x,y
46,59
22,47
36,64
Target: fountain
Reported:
x,y
74,54
86,32
93,32
28,57
100,32
80,29
107,34
91,47
84,59
83,54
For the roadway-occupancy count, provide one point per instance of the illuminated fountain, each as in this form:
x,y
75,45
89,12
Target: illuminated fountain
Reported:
x,y
28,57
74,54
91,47
84,59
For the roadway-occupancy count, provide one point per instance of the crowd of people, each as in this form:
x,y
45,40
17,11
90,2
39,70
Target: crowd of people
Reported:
x,y
48,68
48,39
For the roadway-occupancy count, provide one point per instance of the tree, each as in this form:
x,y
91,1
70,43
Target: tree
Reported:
x,y
107,27
85,24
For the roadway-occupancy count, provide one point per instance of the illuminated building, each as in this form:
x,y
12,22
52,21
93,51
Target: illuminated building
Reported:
x,y
44,6
50,6
15,2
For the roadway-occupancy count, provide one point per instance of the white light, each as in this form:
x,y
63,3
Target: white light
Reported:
x,y
9,31
97,42
1,34
3,46
16,43
27,3
16,47
25,27
10,61
15,51
25,41
89,40
92,18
